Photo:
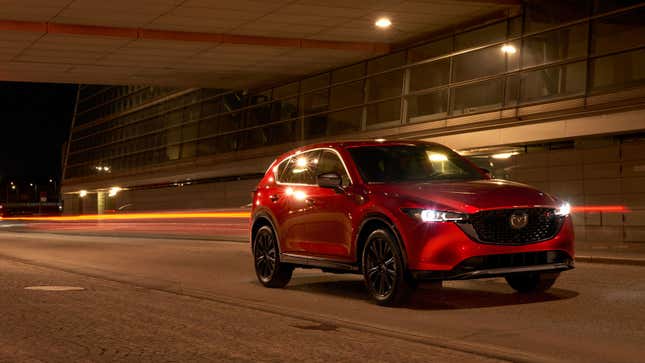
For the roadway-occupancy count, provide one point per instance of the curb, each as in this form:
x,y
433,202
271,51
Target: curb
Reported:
x,y
612,260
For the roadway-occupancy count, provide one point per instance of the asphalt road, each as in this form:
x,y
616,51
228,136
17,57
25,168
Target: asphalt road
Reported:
x,y
189,300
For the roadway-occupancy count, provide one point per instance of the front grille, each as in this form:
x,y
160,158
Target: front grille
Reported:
x,y
495,227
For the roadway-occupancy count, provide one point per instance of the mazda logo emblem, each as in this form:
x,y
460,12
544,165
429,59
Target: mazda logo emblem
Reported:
x,y
519,220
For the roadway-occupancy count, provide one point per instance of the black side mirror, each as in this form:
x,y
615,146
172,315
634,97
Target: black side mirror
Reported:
x,y
330,180
486,171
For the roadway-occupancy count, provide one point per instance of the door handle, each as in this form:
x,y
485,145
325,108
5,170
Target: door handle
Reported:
x,y
310,202
274,197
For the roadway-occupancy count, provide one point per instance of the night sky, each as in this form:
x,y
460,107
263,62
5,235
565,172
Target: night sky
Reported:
x,y
35,123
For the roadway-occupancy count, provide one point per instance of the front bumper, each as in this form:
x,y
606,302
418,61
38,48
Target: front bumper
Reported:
x,y
444,247
501,265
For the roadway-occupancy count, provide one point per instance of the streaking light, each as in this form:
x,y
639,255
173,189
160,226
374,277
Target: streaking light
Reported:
x,y
136,216
600,208
82,193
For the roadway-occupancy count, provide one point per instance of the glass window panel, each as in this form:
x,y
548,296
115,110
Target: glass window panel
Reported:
x,y
316,82
226,143
622,31
430,50
553,82
347,94
515,27
485,62
230,121
385,85
189,132
383,112
384,63
284,109
281,133
603,6
173,135
618,71
172,152
206,147
251,139
482,36
482,96
348,73
542,14
301,169
430,75
315,126
512,92
261,97
188,150
555,45
233,101
315,102
427,106
345,121
286,90
258,115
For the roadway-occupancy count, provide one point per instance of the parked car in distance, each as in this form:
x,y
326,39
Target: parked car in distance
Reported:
x,y
401,212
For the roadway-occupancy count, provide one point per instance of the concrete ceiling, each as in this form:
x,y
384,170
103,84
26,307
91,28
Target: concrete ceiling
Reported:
x,y
209,43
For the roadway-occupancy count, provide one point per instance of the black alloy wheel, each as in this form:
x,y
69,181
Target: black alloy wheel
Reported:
x,y
384,271
269,270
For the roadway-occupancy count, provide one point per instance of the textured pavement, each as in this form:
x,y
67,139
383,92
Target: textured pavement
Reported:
x,y
188,300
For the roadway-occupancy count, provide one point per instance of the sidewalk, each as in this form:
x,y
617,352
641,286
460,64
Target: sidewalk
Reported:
x,y
624,253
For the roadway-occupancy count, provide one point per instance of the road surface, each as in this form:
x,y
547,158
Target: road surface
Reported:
x,y
151,299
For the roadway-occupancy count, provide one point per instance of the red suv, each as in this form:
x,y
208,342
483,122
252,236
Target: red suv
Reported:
x,y
400,212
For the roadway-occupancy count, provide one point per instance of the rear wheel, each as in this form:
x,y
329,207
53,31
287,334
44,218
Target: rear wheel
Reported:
x,y
532,281
268,268
384,271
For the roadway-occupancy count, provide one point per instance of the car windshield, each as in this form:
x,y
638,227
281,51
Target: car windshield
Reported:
x,y
407,163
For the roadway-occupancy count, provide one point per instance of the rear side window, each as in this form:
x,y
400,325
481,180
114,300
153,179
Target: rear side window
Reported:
x,y
300,169
331,163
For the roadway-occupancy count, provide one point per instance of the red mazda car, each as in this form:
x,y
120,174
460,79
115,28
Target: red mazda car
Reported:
x,y
400,212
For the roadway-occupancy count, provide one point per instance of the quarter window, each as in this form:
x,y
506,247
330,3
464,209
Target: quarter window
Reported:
x,y
301,168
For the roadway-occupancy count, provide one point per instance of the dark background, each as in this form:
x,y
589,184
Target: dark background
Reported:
x,y
35,124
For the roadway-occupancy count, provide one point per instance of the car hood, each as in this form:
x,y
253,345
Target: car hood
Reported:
x,y
469,196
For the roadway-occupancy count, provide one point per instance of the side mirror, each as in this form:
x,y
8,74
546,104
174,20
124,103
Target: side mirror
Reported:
x,y
330,180
486,171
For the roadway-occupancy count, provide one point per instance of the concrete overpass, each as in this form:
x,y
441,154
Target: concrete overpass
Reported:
x,y
221,43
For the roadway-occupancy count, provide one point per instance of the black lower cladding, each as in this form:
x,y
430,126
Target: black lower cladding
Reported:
x,y
495,226
504,261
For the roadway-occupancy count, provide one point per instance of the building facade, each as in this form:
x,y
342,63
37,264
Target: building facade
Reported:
x,y
553,96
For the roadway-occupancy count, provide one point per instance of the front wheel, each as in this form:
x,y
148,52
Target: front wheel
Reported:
x,y
532,281
384,271
268,268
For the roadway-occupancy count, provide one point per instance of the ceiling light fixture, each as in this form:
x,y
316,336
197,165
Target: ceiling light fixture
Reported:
x,y
383,23
508,49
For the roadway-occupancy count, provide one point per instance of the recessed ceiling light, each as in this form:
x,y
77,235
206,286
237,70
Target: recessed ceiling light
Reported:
x,y
383,23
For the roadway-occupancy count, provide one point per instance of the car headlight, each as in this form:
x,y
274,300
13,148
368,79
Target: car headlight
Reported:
x,y
563,210
431,215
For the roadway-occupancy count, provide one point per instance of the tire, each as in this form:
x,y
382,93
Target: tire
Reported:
x,y
266,259
384,271
532,281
